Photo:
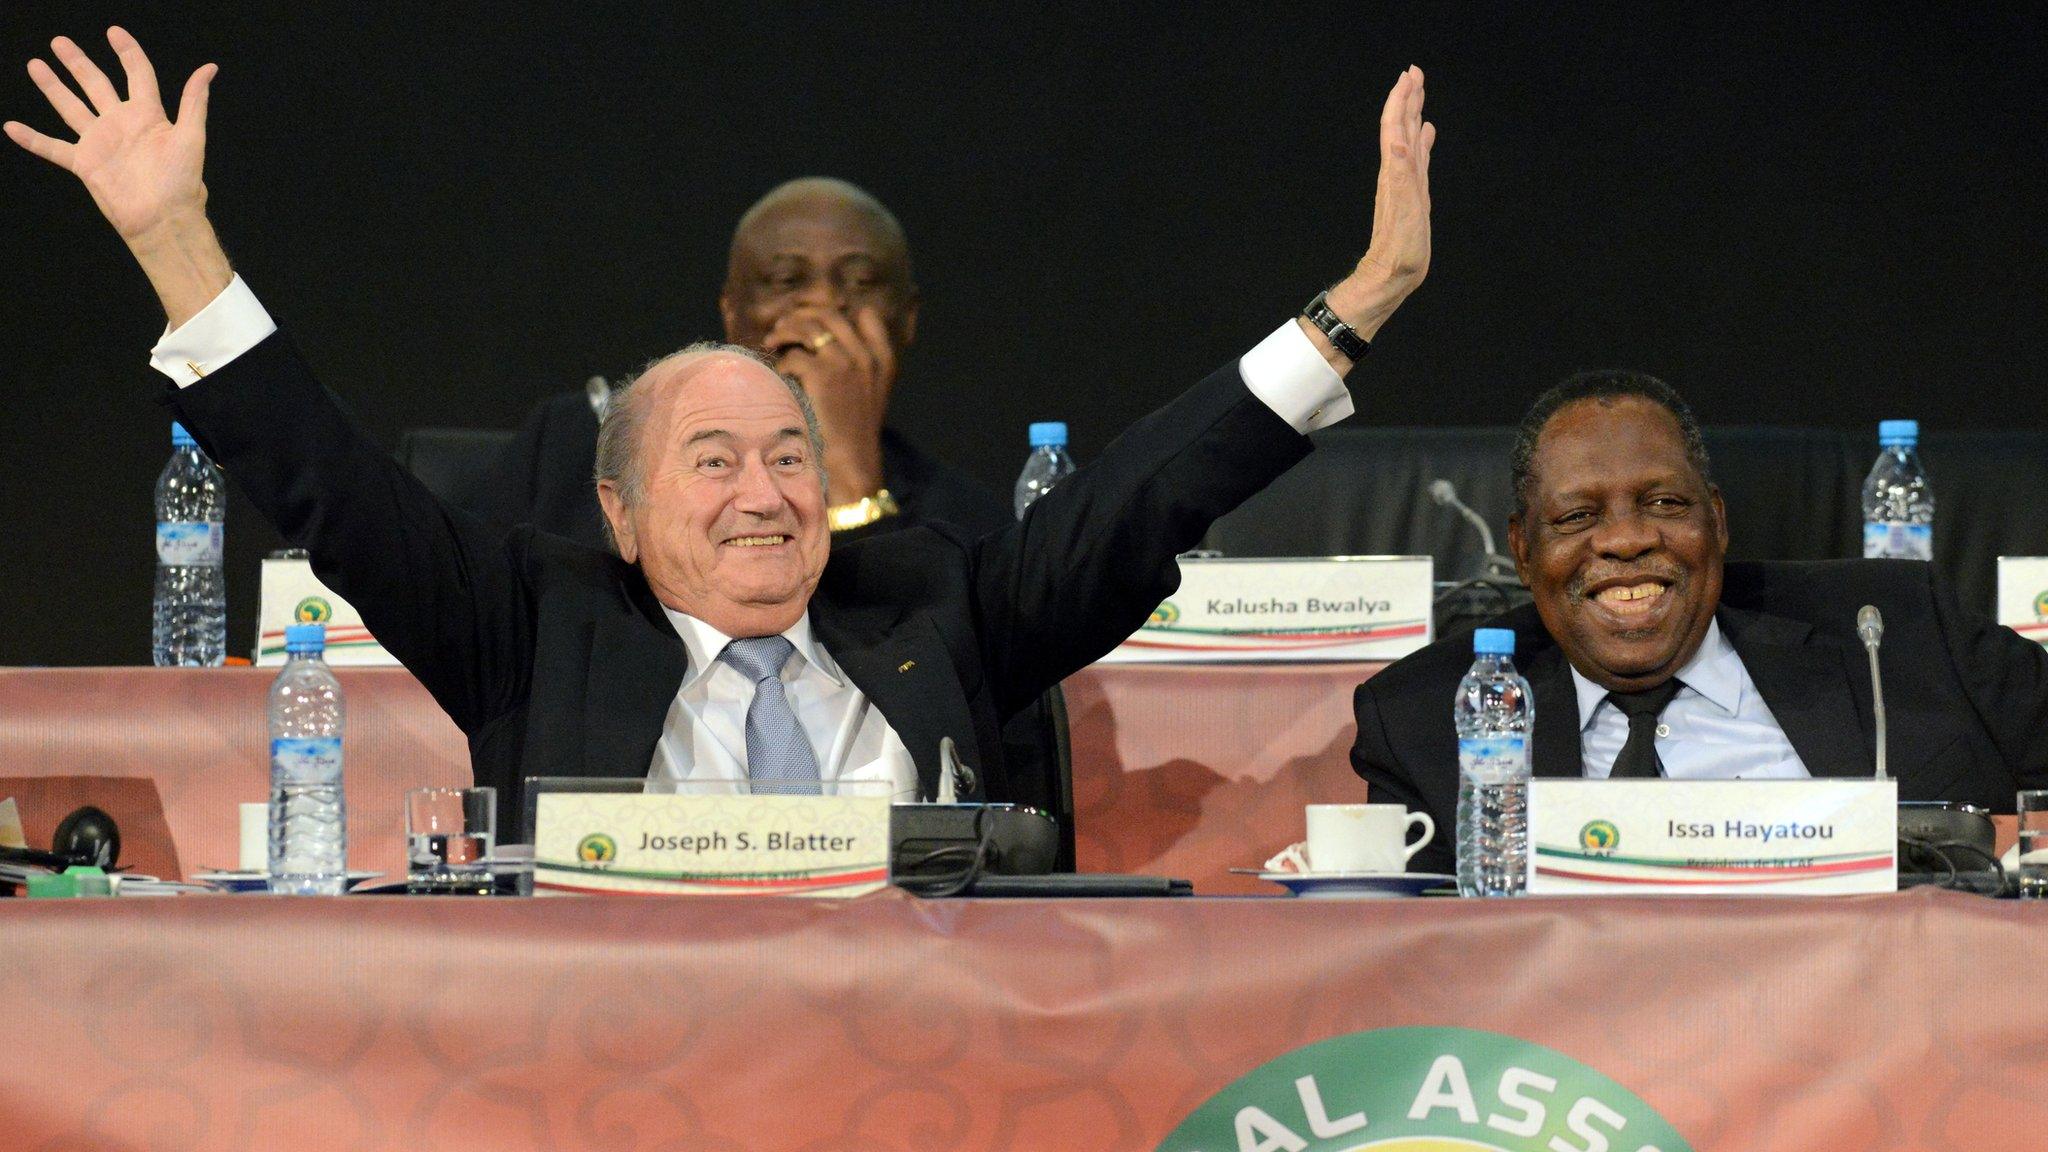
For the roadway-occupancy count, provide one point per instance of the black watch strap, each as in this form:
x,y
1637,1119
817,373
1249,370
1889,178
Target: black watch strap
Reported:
x,y
1346,338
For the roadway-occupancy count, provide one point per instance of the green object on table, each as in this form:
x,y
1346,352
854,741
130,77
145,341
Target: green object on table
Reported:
x,y
59,886
77,880
91,880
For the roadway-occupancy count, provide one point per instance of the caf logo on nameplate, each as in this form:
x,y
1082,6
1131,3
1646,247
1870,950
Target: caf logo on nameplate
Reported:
x,y
1600,837
313,610
1167,613
1424,1090
597,848
2041,605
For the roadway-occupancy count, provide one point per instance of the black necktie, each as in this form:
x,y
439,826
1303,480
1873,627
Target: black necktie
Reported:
x,y
1638,757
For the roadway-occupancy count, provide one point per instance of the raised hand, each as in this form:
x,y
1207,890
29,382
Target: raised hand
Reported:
x,y
1398,257
143,171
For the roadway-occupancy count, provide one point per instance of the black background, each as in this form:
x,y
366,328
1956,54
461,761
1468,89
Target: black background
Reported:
x,y
1817,216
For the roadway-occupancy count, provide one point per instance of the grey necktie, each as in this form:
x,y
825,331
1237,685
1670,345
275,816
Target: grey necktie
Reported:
x,y
779,759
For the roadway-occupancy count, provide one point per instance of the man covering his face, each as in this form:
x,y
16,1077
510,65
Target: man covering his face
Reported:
x,y
1650,655
819,278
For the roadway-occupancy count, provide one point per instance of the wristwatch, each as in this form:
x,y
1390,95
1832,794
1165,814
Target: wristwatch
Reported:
x,y
1347,339
862,512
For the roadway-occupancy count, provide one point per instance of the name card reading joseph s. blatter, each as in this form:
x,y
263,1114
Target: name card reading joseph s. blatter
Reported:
x,y
2023,595
1713,837
695,845
1320,608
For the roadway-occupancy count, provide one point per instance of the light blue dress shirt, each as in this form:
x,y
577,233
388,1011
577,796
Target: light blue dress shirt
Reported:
x,y
1717,727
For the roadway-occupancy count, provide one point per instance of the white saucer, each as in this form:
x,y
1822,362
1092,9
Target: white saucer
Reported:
x,y
260,881
1358,885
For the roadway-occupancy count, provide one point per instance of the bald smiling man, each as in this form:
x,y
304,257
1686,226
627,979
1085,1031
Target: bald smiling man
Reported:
x,y
724,596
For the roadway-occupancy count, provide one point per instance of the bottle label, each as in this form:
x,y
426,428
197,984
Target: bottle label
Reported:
x,y
305,760
1494,759
186,544
1891,540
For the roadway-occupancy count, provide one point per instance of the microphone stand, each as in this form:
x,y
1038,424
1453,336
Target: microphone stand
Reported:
x,y
1870,626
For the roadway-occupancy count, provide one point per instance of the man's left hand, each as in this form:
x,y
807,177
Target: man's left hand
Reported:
x,y
1398,257
847,366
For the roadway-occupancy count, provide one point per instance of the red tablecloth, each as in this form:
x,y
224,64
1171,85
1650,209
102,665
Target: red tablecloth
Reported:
x,y
1911,1022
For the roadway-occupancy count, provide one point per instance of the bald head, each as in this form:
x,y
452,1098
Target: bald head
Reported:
x,y
824,196
817,242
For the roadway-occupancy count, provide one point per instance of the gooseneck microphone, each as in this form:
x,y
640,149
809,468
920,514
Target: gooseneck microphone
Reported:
x,y
1446,495
1870,627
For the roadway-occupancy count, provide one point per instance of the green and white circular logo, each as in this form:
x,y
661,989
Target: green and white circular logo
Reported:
x,y
313,610
597,848
1164,616
1600,837
1424,1090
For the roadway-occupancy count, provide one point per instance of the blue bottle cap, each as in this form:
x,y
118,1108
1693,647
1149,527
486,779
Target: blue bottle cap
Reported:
x,y
181,438
305,637
1905,432
1493,642
1049,432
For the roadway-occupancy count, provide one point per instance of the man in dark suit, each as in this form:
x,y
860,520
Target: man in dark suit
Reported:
x,y
718,643
1647,657
819,277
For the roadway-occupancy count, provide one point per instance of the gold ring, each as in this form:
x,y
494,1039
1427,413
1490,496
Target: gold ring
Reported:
x,y
819,341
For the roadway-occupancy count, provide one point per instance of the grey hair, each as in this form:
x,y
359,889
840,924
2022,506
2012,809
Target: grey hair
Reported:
x,y
625,418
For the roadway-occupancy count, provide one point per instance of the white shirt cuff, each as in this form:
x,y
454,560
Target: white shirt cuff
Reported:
x,y
1288,374
230,324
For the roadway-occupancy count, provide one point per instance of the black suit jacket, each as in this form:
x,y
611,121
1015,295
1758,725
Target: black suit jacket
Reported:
x,y
543,478
556,660
1967,699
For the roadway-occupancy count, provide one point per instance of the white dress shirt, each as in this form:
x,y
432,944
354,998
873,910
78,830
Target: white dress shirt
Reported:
x,y
704,739
1716,728
704,736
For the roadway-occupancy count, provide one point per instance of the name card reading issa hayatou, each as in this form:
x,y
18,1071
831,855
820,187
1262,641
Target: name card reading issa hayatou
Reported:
x,y
1713,837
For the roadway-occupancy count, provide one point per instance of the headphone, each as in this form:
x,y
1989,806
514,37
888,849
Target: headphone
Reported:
x,y
88,836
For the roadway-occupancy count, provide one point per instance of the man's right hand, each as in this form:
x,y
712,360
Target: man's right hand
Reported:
x,y
143,171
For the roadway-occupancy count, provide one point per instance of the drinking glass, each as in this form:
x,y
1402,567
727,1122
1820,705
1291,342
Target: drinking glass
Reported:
x,y
2033,877
449,835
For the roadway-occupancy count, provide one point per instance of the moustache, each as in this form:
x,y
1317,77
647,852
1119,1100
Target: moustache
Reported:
x,y
1675,577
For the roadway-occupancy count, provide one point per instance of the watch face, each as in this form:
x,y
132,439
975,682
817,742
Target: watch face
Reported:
x,y
1340,333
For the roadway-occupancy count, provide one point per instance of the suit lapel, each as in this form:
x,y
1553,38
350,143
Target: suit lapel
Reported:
x,y
1557,751
905,670
637,662
1810,684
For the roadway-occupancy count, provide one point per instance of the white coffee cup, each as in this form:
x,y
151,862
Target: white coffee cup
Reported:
x,y
1363,837
255,837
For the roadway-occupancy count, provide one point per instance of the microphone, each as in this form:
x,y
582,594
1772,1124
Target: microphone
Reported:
x,y
955,777
1870,627
1446,495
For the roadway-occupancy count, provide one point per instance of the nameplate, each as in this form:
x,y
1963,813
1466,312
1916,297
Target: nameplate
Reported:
x,y
1334,608
697,845
2023,595
1713,837
293,595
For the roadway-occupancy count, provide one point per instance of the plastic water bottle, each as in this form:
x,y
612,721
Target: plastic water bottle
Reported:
x,y
1898,506
1495,715
190,617
1047,465
308,836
